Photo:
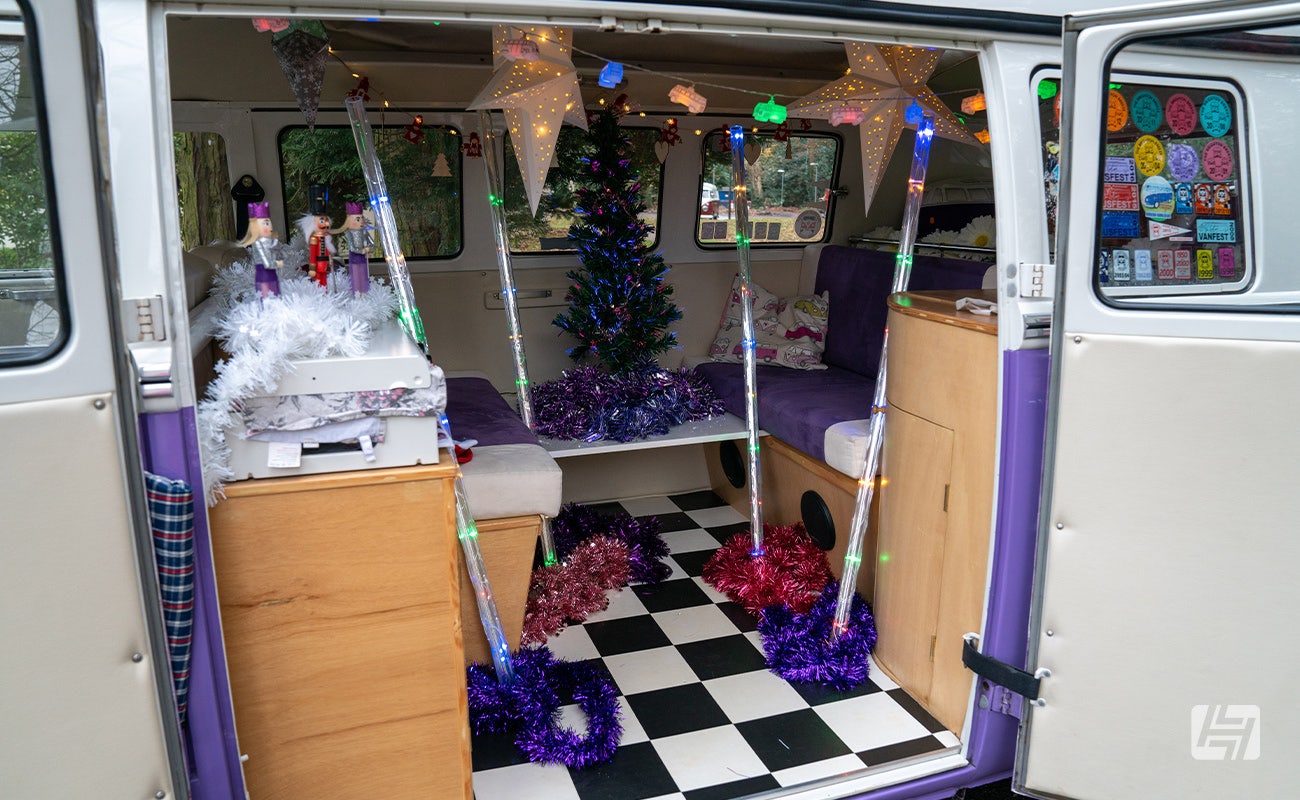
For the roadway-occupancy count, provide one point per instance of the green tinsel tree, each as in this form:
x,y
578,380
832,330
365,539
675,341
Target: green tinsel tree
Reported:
x,y
619,305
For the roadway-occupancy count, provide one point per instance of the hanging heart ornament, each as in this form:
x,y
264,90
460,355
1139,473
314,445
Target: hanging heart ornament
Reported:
x,y
752,151
661,150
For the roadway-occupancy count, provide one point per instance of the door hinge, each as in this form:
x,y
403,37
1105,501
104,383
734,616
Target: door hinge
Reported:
x,y
1005,687
143,319
946,487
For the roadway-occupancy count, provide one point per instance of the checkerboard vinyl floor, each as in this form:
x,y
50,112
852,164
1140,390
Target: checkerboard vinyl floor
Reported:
x,y
703,718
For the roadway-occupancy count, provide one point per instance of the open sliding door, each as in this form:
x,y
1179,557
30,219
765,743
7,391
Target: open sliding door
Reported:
x,y
1167,545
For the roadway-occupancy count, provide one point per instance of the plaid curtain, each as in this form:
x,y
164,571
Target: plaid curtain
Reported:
x,y
171,516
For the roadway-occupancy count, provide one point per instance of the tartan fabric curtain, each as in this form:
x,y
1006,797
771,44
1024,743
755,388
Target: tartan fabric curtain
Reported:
x,y
171,516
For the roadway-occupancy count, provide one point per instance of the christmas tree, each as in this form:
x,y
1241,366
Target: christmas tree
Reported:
x,y
619,304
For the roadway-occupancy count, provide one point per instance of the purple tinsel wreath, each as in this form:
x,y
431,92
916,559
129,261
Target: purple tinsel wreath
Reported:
x,y
646,548
530,708
798,646
587,403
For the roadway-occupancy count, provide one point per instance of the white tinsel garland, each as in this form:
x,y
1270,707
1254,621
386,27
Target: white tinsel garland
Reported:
x,y
264,337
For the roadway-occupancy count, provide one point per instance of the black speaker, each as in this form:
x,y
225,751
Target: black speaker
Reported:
x,y
733,466
817,520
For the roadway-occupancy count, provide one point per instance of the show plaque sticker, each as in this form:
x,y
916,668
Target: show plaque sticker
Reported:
x,y
1218,231
1183,162
1157,198
808,224
1116,111
1217,161
1119,197
1182,265
1203,199
1146,111
1149,155
1204,265
1227,262
1120,225
1222,200
1183,198
1216,115
1120,169
1120,268
1142,265
1161,230
1180,113
1165,265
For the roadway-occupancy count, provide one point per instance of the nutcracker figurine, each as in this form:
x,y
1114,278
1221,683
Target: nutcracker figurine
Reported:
x,y
315,227
264,247
360,242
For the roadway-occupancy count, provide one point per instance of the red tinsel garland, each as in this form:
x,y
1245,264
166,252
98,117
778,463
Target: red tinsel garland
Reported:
x,y
792,570
568,592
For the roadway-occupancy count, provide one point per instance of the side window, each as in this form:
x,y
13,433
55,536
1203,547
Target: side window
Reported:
x,y
423,179
789,183
32,323
1173,190
203,188
549,230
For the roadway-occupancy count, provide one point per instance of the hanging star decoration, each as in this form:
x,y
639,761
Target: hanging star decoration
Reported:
x,y
302,47
883,81
536,95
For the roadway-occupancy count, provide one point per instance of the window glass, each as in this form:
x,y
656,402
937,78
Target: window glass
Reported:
x,y
423,180
789,186
31,322
549,230
203,188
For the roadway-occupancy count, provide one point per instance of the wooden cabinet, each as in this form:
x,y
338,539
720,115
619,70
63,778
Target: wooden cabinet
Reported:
x,y
340,601
937,499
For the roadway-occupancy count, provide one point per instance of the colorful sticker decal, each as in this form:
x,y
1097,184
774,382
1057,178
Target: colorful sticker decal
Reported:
x,y
1142,265
1146,111
1183,162
1223,231
1157,198
1216,159
1180,113
1204,265
1216,115
1120,268
1159,230
1149,155
1183,198
1120,225
1203,201
1119,197
1116,111
1165,265
1222,200
1227,262
1103,267
1182,265
1120,169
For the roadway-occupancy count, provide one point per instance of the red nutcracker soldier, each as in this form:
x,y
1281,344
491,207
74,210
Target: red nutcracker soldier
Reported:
x,y
315,227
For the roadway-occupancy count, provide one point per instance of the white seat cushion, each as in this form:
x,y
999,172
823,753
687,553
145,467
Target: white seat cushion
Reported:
x,y
511,480
846,446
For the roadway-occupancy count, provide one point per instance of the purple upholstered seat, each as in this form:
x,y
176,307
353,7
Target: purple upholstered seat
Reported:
x,y
477,411
797,406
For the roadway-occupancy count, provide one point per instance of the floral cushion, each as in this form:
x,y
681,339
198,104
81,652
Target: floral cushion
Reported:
x,y
788,332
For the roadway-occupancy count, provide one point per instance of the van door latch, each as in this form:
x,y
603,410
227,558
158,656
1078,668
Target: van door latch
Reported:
x,y
1011,686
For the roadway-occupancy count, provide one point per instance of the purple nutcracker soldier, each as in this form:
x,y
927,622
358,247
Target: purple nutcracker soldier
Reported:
x,y
264,247
360,242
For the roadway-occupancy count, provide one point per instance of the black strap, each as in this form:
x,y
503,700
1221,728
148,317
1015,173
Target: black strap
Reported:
x,y
999,672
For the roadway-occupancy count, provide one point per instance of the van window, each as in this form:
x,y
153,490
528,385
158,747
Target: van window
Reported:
x,y
423,179
789,189
203,188
32,325
549,230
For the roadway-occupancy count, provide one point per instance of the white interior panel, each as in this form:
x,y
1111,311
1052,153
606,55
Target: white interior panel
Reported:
x,y
82,714
1170,570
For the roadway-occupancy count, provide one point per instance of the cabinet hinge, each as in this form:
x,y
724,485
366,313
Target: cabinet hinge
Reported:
x,y
946,486
933,639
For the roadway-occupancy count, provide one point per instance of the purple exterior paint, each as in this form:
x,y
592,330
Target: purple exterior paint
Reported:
x,y
992,745
170,445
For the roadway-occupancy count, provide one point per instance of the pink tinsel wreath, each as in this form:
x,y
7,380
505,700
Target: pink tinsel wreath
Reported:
x,y
568,592
792,570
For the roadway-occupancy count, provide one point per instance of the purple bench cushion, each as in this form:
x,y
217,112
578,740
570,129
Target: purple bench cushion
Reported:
x,y
859,282
477,411
794,405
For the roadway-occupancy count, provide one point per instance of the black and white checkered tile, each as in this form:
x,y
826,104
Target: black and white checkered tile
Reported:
x,y
703,718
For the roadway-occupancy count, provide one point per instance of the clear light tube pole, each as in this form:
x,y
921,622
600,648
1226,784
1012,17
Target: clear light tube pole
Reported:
x,y
740,199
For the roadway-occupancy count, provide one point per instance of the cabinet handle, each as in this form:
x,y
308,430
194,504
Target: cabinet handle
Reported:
x,y
945,496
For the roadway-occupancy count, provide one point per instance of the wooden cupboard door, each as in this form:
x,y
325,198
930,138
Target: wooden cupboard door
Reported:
x,y
913,531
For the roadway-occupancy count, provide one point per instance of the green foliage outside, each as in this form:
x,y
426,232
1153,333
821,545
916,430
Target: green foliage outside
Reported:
x,y
24,227
427,208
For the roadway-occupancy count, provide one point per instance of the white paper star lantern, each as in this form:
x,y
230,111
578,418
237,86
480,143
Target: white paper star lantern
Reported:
x,y
537,97
883,81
